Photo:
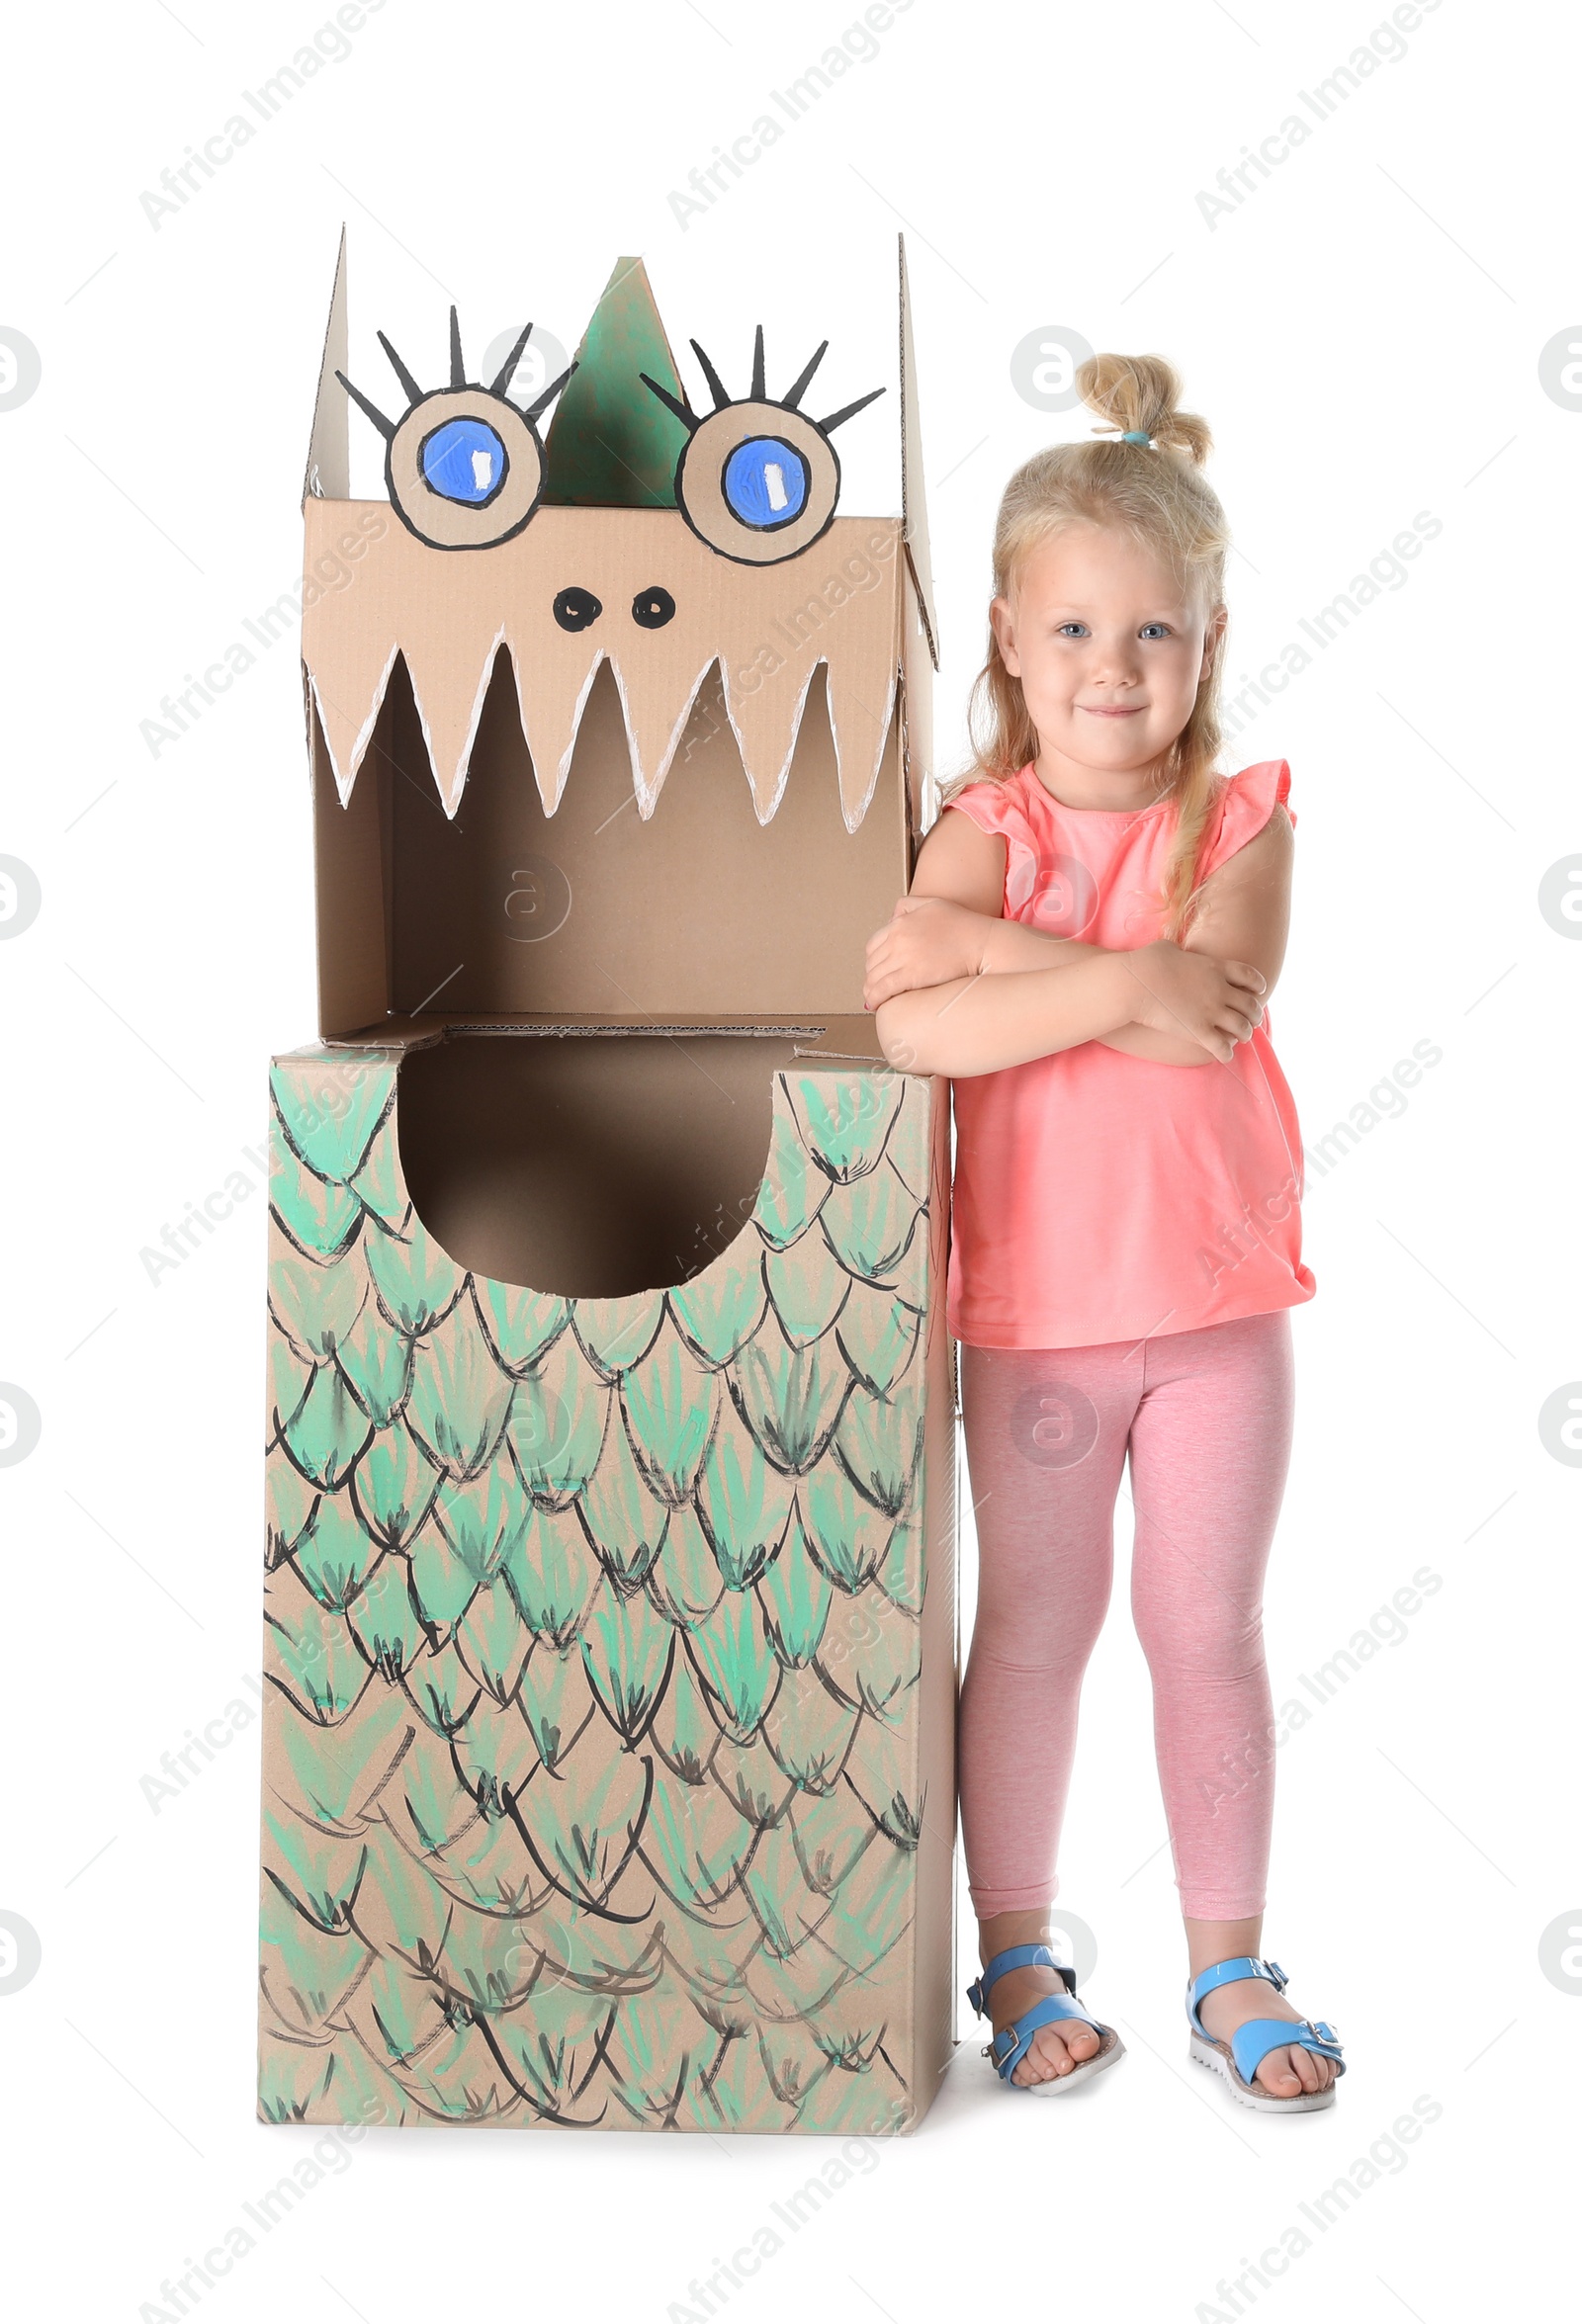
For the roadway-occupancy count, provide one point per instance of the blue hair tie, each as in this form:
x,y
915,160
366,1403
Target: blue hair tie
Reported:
x,y
1136,436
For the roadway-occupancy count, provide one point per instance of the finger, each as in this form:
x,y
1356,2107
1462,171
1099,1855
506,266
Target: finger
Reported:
x,y
1242,972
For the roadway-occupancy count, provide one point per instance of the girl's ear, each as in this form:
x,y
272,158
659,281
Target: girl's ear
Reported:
x,y
1003,629
1213,635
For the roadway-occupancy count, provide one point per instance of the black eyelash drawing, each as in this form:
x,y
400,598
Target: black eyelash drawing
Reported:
x,y
463,465
757,479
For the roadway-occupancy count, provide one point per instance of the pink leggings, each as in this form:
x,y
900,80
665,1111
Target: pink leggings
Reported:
x,y
1206,1418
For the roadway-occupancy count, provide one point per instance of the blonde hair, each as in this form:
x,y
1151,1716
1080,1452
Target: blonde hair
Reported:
x,y
1155,493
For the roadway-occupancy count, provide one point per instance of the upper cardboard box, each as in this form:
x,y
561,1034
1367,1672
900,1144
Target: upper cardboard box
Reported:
x,y
625,721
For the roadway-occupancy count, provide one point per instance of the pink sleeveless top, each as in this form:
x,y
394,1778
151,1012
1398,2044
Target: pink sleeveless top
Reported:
x,y
1099,1196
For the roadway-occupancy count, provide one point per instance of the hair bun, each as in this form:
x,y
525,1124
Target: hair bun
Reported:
x,y
1137,395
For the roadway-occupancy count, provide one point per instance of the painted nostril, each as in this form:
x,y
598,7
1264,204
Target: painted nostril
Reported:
x,y
577,609
653,608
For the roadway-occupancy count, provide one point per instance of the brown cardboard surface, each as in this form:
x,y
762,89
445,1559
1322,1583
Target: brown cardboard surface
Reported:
x,y
351,848
608,1755
610,1643
374,591
504,910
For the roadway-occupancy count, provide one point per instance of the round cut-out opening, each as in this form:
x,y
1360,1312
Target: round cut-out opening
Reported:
x,y
593,1166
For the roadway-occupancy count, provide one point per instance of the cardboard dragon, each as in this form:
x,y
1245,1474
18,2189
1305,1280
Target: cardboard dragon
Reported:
x,y
610,1597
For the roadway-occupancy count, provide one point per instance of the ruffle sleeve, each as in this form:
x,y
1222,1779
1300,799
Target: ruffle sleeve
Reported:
x,y
1246,805
997,808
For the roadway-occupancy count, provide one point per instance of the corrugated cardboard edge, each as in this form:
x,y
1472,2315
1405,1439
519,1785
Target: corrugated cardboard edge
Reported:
x,y
916,717
914,509
328,471
933,1959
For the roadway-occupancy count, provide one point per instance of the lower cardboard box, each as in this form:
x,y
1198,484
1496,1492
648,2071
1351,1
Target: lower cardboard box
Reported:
x,y
610,1633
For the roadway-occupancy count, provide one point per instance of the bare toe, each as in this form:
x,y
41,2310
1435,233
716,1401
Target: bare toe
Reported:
x,y
1294,2073
1032,2067
1052,2047
1050,2051
1277,2075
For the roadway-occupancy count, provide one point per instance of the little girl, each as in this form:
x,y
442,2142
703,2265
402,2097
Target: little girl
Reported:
x,y
1094,927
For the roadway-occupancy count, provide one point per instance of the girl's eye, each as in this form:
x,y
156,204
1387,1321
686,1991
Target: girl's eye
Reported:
x,y
1159,629
1067,627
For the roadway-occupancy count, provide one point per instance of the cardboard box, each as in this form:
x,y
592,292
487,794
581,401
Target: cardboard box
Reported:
x,y
610,1604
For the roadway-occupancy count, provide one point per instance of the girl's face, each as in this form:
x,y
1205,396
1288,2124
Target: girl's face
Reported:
x,y
1109,654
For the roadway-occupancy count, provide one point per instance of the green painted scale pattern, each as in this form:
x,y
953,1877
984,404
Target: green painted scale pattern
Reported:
x,y
592,1631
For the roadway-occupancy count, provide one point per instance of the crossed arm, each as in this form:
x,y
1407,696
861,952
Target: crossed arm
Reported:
x,y
959,989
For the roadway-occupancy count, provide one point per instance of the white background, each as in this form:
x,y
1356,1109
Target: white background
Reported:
x,y
1364,333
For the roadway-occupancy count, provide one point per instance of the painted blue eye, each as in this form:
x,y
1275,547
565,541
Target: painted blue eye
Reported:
x,y
765,482
464,460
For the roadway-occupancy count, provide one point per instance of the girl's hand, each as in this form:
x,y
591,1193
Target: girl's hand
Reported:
x,y
1215,1002
928,941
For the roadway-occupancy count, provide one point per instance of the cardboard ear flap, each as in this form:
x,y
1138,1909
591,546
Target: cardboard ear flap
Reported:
x,y
758,480
463,465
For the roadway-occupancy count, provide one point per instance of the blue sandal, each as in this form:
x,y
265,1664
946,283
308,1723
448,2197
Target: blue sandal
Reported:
x,y
1012,2043
1239,2059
